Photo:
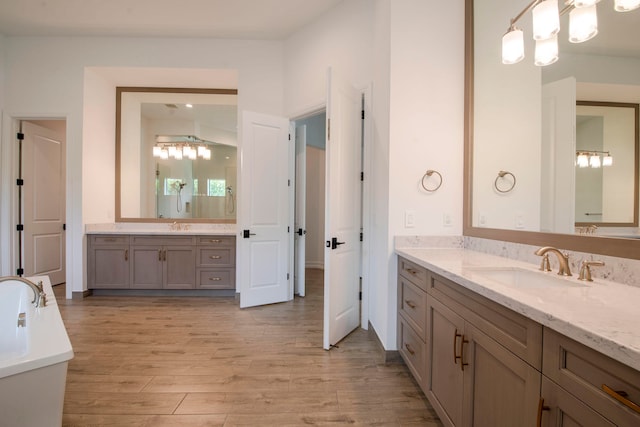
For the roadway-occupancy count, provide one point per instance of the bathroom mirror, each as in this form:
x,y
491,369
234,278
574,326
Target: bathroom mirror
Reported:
x,y
158,178
507,128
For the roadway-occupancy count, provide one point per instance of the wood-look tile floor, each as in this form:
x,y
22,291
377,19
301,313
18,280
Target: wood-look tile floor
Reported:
x,y
185,361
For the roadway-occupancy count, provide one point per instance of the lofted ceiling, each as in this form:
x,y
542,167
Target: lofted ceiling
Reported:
x,y
239,19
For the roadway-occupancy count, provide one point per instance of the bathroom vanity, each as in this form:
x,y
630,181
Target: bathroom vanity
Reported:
x,y
161,261
490,348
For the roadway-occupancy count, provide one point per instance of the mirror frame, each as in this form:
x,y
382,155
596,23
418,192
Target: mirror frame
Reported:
x,y
611,246
124,89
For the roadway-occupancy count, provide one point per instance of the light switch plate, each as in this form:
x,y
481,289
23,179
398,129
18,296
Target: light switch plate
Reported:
x,y
409,219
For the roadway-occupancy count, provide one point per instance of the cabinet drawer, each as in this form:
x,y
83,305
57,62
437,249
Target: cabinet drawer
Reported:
x,y
413,351
565,410
108,240
514,331
215,241
216,257
216,279
583,372
412,305
163,240
413,272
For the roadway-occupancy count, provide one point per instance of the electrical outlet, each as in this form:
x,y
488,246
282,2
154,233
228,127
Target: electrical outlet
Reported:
x,y
482,220
409,219
446,220
519,220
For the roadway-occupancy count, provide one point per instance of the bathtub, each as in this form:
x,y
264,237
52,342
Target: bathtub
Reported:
x,y
33,357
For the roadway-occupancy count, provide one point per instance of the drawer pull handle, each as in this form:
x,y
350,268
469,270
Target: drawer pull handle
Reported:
x,y
456,335
215,240
462,343
215,257
409,349
410,303
621,397
412,271
110,239
541,407
159,254
126,254
215,279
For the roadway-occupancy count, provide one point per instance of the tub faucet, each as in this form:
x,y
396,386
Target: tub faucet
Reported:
x,y
39,297
563,259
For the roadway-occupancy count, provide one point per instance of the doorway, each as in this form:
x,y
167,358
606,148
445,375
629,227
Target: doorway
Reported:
x,y
41,199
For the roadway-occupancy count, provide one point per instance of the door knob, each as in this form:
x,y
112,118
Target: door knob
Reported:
x,y
247,233
301,231
335,243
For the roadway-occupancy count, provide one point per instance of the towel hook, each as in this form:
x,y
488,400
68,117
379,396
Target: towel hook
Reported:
x,y
429,173
502,174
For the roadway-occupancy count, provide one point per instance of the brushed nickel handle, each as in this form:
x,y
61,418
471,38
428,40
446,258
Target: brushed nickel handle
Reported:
x,y
621,396
541,407
215,257
159,254
409,349
462,343
456,335
164,255
215,240
410,303
126,254
215,279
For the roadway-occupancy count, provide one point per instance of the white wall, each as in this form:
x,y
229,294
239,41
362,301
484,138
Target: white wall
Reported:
x,y
315,207
67,77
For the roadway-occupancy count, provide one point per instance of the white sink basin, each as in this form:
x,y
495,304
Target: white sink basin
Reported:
x,y
526,279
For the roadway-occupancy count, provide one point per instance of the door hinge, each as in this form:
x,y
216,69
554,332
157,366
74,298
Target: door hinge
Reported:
x,y
362,114
20,227
287,276
288,183
361,236
20,136
64,227
289,137
20,271
328,129
361,176
19,181
288,229
360,295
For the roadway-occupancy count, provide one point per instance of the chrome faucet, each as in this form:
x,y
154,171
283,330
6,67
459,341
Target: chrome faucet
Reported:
x,y
39,297
563,260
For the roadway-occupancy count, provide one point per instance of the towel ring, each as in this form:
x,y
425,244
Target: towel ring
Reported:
x,y
429,173
502,174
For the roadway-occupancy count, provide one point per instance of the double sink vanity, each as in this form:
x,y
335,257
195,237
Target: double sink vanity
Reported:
x,y
497,342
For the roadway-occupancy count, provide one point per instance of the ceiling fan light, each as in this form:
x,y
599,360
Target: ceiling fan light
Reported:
x,y
583,24
513,46
626,5
546,20
546,51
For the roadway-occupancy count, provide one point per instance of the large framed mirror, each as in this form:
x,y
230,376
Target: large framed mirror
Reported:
x,y
512,114
176,155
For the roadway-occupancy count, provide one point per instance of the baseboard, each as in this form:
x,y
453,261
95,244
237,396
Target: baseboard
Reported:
x,y
389,356
166,292
81,294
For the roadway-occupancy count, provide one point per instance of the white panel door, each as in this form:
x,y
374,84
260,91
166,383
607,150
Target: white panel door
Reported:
x,y
43,152
557,198
263,244
342,211
300,226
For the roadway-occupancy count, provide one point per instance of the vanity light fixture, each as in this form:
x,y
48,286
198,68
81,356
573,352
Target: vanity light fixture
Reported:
x,y
583,26
181,147
595,159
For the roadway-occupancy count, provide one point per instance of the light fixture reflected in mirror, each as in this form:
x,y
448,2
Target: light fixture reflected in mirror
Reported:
x,y
595,159
583,26
181,146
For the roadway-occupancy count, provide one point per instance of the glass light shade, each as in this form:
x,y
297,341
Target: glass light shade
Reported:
x,y
583,24
513,46
201,149
546,20
546,51
607,160
178,155
207,154
594,161
626,5
156,151
186,150
193,154
172,151
585,3
164,154
583,161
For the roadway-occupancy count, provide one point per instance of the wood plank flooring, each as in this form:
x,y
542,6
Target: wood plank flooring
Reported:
x,y
185,361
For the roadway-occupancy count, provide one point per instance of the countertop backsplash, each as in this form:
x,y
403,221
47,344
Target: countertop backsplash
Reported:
x,y
620,270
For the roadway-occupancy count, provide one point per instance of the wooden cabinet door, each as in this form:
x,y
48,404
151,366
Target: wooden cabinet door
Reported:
x,y
500,389
109,267
179,267
444,378
146,271
562,409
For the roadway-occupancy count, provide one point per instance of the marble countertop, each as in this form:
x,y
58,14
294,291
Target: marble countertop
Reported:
x,y
162,229
602,315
